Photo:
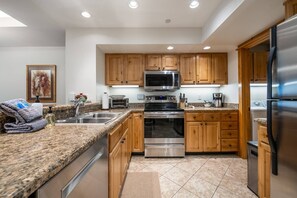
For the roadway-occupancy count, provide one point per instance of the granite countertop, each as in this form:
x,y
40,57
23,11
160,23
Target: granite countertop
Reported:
x,y
40,155
210,109
262,121
28,160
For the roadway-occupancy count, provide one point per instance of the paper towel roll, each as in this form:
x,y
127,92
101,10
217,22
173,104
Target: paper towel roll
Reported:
x,y
105,101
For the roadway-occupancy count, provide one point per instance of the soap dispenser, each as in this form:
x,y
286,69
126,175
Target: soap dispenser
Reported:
x,y
50,117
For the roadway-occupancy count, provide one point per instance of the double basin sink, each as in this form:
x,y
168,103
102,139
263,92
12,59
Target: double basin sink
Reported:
x,y
92,117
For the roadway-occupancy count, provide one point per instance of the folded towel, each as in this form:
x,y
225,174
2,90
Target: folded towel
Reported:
x,y
25,128
20,110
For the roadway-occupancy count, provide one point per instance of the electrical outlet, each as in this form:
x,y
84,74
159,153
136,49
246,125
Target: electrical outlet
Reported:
x,y
140,96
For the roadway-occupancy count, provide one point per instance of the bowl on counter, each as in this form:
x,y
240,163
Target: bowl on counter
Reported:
x,y
207,105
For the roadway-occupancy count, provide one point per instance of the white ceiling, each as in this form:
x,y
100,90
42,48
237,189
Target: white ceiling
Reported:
x,y
47,20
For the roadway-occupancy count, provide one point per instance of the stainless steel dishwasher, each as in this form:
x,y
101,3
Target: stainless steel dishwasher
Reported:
x,y
86,176
253,166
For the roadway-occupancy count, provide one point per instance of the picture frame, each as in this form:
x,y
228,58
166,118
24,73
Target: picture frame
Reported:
x,y
41,80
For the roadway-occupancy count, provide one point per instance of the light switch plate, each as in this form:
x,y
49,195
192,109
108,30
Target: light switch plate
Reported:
x,y
140,96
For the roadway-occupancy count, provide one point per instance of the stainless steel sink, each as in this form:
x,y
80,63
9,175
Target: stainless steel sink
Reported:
x,y
92,117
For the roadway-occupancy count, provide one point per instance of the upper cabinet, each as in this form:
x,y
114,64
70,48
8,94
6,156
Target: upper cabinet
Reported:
x,y
124,69
187,69
158,62
219,68
204,69
260,60
290,8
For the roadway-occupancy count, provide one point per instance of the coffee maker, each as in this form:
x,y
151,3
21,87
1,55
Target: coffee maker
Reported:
x,y
217,99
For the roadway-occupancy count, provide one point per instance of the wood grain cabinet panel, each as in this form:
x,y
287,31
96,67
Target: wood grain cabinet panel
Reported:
x,y
232,116
290,8
134,69
260,60
211,136
153,62
170,62
211,116
229,145
187,69
138,132
203,69
192,117
115,171
194,137
114,65
219,68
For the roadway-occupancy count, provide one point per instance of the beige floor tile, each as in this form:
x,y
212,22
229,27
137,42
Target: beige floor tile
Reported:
x,y
168,188
178,175
160,168
136,166
200,187
236,186
209,175
223,193
216,166
191,166
183,193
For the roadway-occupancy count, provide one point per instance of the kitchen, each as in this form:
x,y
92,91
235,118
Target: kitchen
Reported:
x,y
81,59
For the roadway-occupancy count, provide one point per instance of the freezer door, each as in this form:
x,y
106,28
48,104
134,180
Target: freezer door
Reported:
x,y
284,130
285,79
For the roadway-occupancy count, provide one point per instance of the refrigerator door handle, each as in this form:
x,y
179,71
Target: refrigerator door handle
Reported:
x,y
271,140
272,54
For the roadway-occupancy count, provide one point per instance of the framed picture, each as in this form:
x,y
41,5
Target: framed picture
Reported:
x,y
41,81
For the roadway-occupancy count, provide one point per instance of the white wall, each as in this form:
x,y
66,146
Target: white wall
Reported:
x,y
258,93
13,61
230,91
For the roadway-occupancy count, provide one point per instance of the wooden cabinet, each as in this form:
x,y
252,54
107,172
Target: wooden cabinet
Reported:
x,y
260,60
264,158
202,136
130,135
229,131
187,69
119,157
138,132
156,62
123,69
211,131
204,69
290,8
219,68
153,62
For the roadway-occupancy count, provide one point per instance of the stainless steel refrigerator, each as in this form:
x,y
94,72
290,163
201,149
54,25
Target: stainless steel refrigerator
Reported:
x,y
282,109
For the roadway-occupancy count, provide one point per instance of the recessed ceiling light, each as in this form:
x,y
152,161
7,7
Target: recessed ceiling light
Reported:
x,y
206,47
133,4
86,14
170,47
194,4
8,21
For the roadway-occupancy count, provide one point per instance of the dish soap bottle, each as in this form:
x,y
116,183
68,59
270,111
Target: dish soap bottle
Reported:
x,y
38,106
50,117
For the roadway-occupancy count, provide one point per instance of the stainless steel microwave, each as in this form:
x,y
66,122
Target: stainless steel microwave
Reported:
x,y
161,80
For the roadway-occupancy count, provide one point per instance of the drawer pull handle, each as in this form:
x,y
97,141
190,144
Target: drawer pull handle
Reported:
x,y
230,145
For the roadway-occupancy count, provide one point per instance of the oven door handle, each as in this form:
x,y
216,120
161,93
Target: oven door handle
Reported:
x,y
163,115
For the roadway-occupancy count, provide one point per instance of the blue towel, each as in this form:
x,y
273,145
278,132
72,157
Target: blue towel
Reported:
x,y
25,128
20,110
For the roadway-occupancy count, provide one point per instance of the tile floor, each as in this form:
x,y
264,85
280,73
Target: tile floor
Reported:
x,y
198,176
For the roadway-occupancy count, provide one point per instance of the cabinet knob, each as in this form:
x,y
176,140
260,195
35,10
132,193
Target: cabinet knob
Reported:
x,y
159,68
214,81
201,124
122,142
229,116
194,131
205,123
230,145
126,81
121,81
211,117
194,117
194,81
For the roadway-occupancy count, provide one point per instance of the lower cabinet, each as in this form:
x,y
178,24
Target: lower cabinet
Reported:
x,y
263,163
138,132
211,131
119,157
203,136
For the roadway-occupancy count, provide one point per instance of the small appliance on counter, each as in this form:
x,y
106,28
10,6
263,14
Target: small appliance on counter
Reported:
x,y
118,101
217,99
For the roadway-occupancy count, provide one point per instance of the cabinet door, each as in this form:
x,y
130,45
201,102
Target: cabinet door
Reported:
x,y
124,155
114,69
187,69
264,170
170,62
115,173
130,136
219,68
153,62
194,136
260,66
203,69
211,136
134,70
138,133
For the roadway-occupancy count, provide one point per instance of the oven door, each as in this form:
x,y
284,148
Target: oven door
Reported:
x,y
163,127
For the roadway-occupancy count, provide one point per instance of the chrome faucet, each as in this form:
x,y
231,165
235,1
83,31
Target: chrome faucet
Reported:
x,y
77,104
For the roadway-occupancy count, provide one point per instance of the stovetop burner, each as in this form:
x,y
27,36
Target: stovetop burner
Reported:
x,y
162,107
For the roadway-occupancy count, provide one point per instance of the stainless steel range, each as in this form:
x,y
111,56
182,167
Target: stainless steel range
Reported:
x,y
163,127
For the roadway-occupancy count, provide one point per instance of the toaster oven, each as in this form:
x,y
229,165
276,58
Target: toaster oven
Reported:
x,y
119,103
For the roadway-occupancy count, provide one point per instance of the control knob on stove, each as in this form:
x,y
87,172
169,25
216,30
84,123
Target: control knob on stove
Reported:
x,y
148,98
171,98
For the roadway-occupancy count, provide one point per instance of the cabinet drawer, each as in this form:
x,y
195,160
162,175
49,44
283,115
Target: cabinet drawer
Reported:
x,y
229,125
262,134
229,134
114,137
211,116
194,117
125,124
229,145
229,116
